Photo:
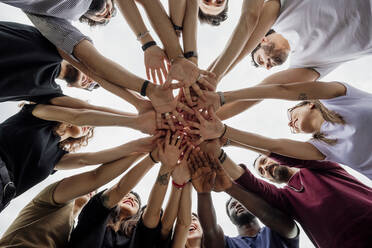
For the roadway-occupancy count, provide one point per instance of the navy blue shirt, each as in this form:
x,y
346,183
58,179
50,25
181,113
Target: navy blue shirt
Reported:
x,y
266,238
29,65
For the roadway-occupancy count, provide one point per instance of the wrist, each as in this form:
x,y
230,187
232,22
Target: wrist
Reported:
x,y
147,45
150,89
223,131
152,157
144,37
178,185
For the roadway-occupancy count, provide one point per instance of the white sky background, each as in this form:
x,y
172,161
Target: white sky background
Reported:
x,y
117,42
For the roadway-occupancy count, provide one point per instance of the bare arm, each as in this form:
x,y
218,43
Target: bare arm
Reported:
x,y
283,77
190,26
268,16
77,160
183,219
268,215
84,183
286,147
293,91
170,212
177,11
251,10
113,195
213,233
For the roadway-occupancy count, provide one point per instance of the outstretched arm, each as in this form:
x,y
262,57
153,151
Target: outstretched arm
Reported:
x,y
77,160
84,183
190,28
251,10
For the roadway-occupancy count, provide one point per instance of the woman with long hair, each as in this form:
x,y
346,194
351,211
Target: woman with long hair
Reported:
x,y
337,115
34,144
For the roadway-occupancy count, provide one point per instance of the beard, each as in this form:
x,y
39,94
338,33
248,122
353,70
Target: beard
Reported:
x,y
71,75
96,6
281,174
243,218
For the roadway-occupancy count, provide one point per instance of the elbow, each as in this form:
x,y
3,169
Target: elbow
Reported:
x,y
77,117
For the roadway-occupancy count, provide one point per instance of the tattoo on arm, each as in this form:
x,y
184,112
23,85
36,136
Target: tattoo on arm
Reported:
x,y
163,179
302,96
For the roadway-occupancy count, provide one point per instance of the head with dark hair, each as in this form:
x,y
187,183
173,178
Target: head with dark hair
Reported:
x,y
272,170
237,213
99,13
76,136
272,51
129,206
195,234
213,12
76,78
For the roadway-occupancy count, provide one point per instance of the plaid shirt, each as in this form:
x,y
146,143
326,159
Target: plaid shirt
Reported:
x,y
51,18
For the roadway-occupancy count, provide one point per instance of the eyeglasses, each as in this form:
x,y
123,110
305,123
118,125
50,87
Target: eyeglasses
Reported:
x,y
289,115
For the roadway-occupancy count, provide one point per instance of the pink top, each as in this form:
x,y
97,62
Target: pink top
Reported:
x,y
333,207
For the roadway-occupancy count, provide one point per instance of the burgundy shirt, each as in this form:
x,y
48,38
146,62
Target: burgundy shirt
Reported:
x,y
333,207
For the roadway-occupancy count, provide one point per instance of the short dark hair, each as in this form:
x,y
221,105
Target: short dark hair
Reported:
x,y
95,6
214,20
271,31
254,162
227,207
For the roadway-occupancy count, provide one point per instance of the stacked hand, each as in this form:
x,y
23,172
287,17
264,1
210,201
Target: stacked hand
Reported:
x,y
155,63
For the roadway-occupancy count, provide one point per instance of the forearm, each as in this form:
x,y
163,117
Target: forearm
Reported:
x,y
254,149
190,25
240,36
78,160
151,215
163,27
212,233
286,147
183,219
177,9
268,215
105,68
170,212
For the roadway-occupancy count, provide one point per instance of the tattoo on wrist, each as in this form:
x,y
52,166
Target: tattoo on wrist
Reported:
x,y
163,179
302,96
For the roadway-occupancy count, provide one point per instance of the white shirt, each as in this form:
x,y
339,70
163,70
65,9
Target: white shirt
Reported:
x,y
325,33
354,138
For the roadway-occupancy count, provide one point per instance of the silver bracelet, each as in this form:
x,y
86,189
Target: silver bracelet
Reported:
x,y
222,98
141,35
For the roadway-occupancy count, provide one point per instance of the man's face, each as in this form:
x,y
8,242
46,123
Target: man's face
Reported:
x,y
212,7
272,52
101,11
77,79
239,215
271,170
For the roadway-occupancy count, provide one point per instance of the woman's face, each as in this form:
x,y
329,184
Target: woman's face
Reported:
x,y
103,15
129,204
300,119
212,7
77,131
195,230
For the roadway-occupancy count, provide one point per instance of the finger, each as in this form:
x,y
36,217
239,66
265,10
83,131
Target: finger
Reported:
x,y
188,151
159,144
170,122
193,124
188,96
168,138
199,116
158,74
207,73
212,113
167,83
174,139
182,106
158,121
198,142
179,117
148,73
199,92
163,69
207,84
179,141
190,131
153,76
212,178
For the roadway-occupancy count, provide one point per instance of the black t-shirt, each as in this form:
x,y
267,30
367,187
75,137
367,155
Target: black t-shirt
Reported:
x,y
92,230
29,64
29,148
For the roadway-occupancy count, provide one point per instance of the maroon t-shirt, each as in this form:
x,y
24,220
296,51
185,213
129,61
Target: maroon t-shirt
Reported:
x,y
333,207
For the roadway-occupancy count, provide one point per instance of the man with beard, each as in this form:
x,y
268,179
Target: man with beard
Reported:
x,y
332,206
52,19
280,230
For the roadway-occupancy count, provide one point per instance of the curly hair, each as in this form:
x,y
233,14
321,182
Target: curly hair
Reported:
x,y
74,144
214,20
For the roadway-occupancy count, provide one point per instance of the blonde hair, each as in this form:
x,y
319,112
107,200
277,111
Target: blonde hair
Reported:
x,y
73,144
328,115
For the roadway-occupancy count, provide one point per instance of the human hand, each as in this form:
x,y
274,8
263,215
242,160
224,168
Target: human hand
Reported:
x,y
211,147
155,60
181,173
207,129
170,150
223,181
202,176
211,99
148,123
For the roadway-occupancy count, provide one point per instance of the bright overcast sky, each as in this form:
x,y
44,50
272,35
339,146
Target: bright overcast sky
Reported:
x,y
117,42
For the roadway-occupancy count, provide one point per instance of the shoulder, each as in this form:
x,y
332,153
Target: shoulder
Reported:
x,y
274,239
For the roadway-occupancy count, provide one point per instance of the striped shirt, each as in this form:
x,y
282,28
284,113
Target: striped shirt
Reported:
x,y
52,19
